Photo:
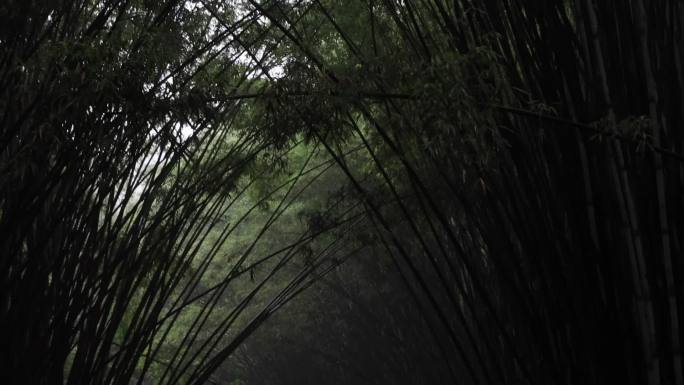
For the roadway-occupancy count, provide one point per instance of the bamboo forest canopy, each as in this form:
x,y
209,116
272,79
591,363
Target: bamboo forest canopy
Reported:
x,y
249,192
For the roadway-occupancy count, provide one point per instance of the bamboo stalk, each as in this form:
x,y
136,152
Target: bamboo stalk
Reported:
x,y
652,92
635,251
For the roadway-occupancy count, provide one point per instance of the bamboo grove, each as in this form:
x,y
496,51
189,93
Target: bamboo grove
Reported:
x,y
519,163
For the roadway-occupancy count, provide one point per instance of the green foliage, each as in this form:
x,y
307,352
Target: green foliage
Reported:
x,y
175,174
